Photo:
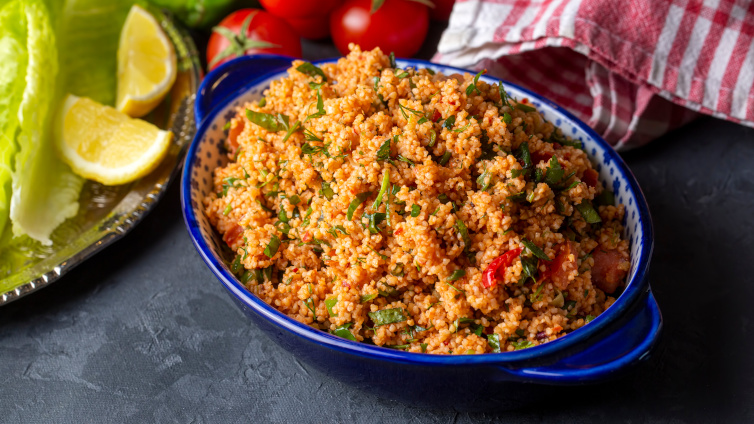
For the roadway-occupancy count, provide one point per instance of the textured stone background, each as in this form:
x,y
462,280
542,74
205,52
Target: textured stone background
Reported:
x,y
143,332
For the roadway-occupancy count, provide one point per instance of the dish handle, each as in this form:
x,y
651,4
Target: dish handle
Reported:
x,y
232,76
630,343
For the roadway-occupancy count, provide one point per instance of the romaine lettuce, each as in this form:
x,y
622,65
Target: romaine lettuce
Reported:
x,y
13,60
45,190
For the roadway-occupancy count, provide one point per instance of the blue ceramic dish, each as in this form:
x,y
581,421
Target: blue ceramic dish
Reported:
x,y
614,342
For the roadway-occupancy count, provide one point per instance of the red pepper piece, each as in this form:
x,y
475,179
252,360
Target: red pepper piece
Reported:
x,y
496,270
538,157
590,177
231,237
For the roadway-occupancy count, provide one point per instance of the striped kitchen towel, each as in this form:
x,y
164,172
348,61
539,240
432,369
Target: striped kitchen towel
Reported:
x,y
632,69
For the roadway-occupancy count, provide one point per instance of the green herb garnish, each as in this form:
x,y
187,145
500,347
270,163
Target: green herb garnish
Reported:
x,y
415,210
368,297
522,344
387,316
535,250
311,70
494,341
268,121
383,153
406,160
472,87
320,109
383,189
587,211
554,172
374,220
464,232
329,303
445,158
456,275
343,332
525,107
504,101
272,246
326,190
484,180
448,124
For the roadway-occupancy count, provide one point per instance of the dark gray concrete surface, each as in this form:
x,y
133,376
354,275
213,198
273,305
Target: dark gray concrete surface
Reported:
x,y
143,332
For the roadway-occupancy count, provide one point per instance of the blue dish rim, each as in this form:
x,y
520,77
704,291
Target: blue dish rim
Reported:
x,y
634,289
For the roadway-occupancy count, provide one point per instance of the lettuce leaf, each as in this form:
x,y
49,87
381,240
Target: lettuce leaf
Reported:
x,y
45,190
12,82
88,35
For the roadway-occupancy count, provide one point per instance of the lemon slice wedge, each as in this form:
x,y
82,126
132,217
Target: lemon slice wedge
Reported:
x,y
146,64
104,145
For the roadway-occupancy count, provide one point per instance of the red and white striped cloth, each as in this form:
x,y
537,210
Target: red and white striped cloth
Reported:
x,y
632,69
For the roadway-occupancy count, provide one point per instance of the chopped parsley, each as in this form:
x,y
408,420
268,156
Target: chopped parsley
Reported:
x,y
554,172
387,316
329,303
383,153
456,275
494,341
587,212
326,190
344,332
415,210
397,269
525,107
472,87
522,344
536,251
272,246
311,70
320,109
368,297
383,189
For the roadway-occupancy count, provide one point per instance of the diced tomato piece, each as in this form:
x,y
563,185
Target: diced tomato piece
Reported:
x,y
306,237
233,136
437,116
591,177
398,232
563,265
538,157
231,236
496,270
606,272
557,145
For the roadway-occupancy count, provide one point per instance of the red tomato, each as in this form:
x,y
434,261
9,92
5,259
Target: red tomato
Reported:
x,y
398,26
442,9
591,177
496,270
231,237
265,33
563,265
313,28
538,157
606,272
299,8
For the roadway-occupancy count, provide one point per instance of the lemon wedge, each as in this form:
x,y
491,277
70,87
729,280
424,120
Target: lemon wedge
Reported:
x,y
104,145
146,64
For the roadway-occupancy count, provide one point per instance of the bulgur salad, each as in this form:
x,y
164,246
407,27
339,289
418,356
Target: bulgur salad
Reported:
x,y
413,210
